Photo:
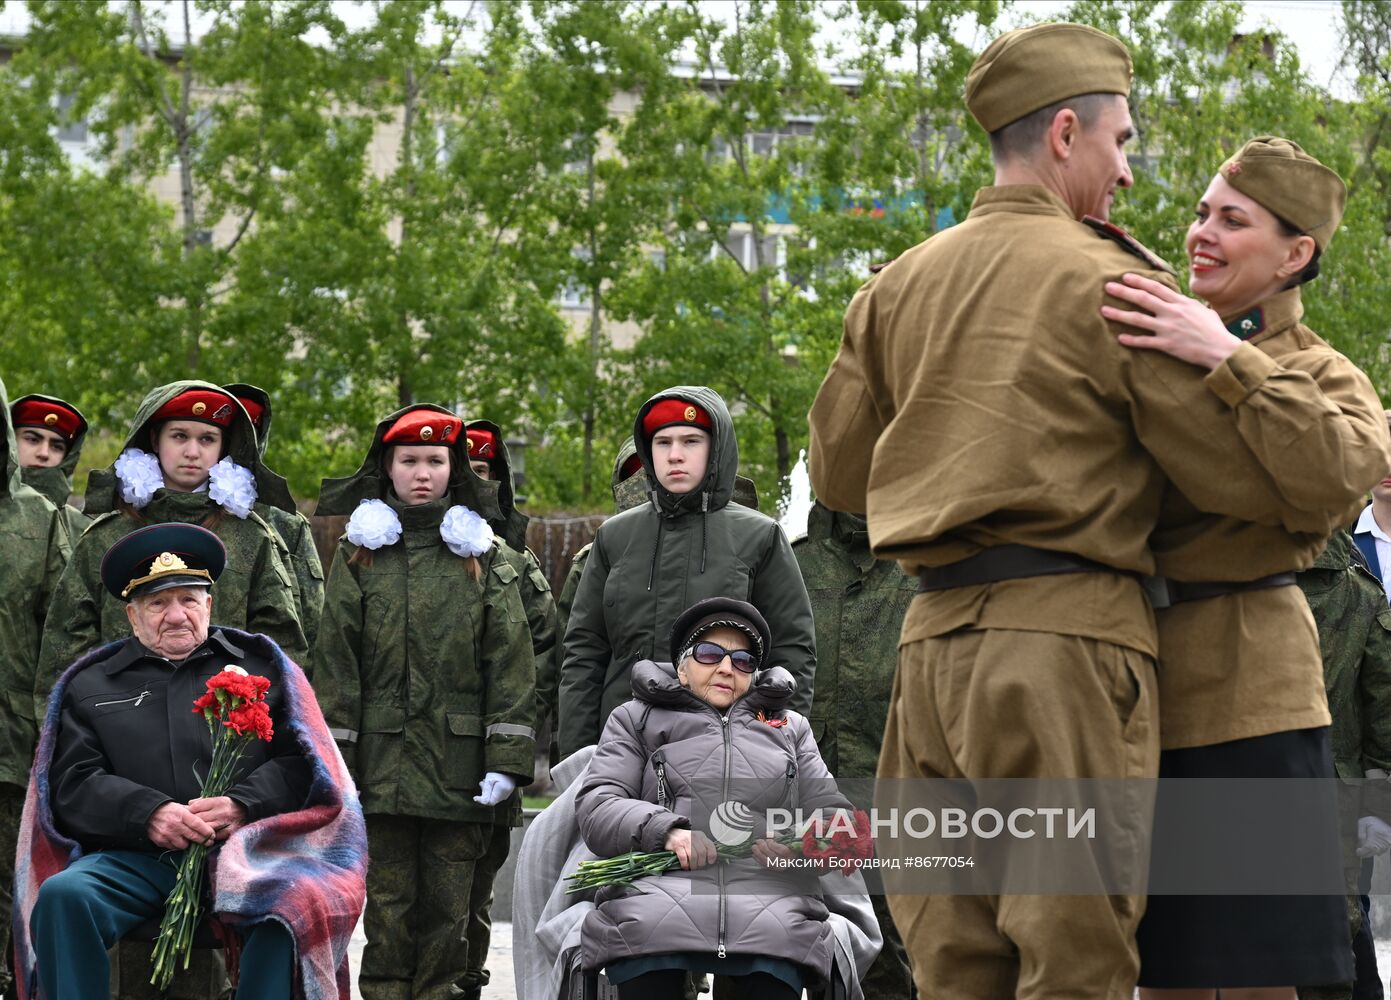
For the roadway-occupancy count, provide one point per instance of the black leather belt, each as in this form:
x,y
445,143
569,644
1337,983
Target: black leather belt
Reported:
x,y
1177,592
1005,562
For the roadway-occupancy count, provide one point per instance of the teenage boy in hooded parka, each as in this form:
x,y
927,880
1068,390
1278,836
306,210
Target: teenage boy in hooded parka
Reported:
x,y
687,543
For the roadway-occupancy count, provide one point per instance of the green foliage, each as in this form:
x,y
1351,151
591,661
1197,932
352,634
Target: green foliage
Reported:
x,y
361,212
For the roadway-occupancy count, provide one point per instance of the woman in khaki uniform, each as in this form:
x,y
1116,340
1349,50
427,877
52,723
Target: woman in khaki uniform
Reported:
x,y
1241,695
426,677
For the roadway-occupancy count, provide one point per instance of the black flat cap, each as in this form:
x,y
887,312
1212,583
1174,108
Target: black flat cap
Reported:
x,y
714,612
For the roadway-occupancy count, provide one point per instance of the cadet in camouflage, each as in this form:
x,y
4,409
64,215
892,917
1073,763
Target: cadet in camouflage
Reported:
x,y
490,461
1354,626
37,417
858,603
291,527
425,673
36,548
256,592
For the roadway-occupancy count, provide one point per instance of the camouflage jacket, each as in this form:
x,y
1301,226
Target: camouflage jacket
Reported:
x,y
302,557
36,548
1354,624
858,603
255,592
300,554
425,675
510,525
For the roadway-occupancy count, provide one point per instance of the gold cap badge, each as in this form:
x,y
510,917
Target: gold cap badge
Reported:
x,y
198,408
51,419
427,432
690,413
164,564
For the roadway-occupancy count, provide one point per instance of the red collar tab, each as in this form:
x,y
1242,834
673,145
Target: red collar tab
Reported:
x,y
1128,243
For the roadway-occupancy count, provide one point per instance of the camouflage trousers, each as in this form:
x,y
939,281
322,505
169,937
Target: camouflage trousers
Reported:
x,y
480,923
890,977
11,807
1341,991
420,885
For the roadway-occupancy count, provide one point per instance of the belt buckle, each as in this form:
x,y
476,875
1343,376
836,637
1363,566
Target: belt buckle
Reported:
x,y
1156,591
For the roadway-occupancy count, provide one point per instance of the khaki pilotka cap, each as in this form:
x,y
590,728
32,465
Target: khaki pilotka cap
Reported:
x,y
1030,68
1289,182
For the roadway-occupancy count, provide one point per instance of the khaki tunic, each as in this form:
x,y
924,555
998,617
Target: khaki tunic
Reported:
x,y
1244,665
979,398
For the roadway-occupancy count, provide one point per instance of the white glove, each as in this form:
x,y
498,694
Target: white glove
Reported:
x,y
1373,837
497,787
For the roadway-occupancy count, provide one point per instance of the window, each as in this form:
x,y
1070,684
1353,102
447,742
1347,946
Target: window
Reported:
x,y
70,129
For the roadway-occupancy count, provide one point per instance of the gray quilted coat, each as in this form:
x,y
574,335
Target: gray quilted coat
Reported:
x,y
666,758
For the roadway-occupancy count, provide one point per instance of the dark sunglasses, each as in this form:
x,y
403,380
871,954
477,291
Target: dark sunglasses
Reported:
x,y
711,653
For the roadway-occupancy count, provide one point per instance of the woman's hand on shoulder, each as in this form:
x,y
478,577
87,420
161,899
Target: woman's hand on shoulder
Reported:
x,y
692,848
1179,326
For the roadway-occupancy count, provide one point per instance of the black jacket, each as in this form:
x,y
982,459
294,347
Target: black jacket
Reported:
x,y
129,741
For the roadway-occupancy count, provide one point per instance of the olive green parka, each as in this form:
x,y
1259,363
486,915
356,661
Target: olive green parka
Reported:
x,y
627,494
291,527
255,591
55,482
859,603
649,564
537,598
36,549
425,675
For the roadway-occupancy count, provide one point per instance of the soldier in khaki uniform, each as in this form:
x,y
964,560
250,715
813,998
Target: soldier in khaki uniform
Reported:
x,y
858,603
1014,455
1242,682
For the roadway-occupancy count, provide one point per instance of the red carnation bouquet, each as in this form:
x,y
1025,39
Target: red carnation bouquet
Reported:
x,y
843,840
234,706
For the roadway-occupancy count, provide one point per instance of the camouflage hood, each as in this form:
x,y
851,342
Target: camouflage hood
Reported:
x,y
239,444
632,491
717,489
244,390
511,524
12,481
54,482
370,481
850,530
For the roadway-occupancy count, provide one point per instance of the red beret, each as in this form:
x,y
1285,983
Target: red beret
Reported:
x,y
206,405
630,468
254,410
672,412
50,416
482,444
424,427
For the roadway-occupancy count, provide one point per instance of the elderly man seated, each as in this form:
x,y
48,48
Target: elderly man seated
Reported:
x,y
124,764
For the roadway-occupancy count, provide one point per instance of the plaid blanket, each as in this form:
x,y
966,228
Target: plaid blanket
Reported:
x,y
306,869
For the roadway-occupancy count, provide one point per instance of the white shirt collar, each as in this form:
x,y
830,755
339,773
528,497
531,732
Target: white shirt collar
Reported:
x,y
1367,523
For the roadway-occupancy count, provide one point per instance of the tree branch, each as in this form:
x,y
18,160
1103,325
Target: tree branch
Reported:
x,y
751,399
137,19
